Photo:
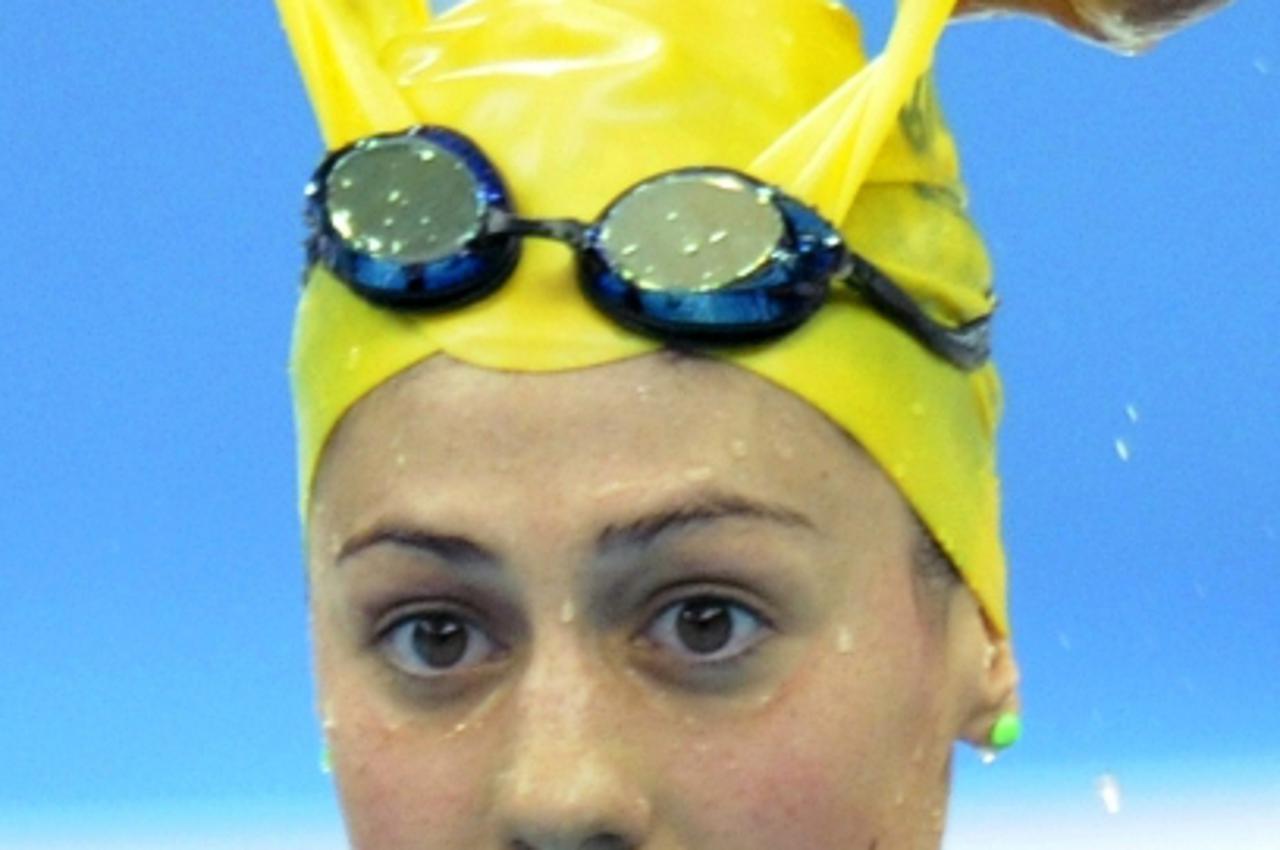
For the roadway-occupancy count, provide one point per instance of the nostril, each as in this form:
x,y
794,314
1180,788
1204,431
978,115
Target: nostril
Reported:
x,y
602,841
606,841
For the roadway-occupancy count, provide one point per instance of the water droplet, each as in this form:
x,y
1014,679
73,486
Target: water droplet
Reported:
x,y
311,190
567,612
739,449
764,196
346,183
1262,65
629,250
394,196
1108,788
424,220
698,473
354,353
1131,410
691,247
371,243
609,489
341,220
674,215
844,640
389,221
1122,449
426,155
717,237
987,755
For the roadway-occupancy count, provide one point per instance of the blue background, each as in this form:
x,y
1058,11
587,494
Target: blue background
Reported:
x,y
153,657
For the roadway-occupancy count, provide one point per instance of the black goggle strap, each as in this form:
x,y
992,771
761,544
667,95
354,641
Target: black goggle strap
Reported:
x,y
567,230
967,346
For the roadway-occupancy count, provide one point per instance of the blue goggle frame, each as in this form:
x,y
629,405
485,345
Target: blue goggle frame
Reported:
x,y
773,290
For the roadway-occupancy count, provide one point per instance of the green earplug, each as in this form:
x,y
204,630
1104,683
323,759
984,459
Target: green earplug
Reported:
x,y
1006,731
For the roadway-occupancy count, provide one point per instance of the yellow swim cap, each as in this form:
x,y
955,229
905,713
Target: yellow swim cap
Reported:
x,y
576,100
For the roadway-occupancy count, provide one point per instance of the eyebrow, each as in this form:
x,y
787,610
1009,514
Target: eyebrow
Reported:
x,y
645,530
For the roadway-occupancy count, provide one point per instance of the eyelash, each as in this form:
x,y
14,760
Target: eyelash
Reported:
x,y
390,639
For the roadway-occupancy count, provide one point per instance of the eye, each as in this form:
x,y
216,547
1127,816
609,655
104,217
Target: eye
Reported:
x,y
433,644
708,630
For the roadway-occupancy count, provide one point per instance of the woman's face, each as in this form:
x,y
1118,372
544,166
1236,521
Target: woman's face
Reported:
x,y
657,604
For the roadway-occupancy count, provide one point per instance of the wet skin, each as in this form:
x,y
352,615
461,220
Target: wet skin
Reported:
x,y
658,604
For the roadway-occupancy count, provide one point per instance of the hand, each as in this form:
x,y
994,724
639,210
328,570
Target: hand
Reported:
x,y
1125,25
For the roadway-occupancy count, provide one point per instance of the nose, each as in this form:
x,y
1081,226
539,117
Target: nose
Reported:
x,y
567,784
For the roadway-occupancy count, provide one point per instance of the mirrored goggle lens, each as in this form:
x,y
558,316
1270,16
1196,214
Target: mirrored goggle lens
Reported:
x,y
403,199
692,232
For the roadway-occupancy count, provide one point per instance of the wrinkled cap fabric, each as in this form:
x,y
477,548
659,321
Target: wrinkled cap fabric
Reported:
x,y
575,101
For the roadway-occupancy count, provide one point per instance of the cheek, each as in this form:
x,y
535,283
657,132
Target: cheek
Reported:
x,y
851,754
403,789
404,784
776,782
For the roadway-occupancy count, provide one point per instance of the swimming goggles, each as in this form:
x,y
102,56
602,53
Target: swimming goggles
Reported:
x,y
421,219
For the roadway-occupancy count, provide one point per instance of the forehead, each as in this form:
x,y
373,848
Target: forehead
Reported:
x,y
638,429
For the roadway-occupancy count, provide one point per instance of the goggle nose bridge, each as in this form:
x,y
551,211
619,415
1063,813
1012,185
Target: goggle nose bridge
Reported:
x,y
567,230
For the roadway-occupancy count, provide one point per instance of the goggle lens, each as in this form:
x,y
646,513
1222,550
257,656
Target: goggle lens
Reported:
x,y
691,232
404,199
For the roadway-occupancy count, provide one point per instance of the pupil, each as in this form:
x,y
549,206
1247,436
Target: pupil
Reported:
x,y
704,625
440,640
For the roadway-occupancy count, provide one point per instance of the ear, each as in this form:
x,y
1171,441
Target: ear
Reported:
x,y
338,46
983,671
